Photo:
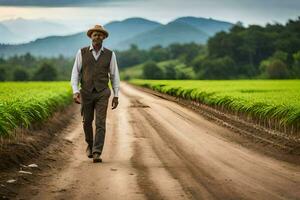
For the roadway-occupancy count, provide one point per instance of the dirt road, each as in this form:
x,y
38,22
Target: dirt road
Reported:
x,y
157,149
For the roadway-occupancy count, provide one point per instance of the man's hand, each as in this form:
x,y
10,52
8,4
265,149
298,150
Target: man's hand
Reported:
x,y
76,97
115,102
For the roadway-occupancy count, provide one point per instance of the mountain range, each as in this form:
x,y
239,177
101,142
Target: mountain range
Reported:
x,y
139,31
19,30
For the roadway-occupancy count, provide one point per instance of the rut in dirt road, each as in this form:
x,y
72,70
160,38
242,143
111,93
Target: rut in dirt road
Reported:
x,y
157,149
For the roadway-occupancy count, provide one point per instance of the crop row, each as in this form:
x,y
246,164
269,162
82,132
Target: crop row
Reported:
x,y
272,103
21,104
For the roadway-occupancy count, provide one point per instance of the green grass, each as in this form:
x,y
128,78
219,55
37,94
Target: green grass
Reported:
x,y
132,72
136,71
263,99
24,103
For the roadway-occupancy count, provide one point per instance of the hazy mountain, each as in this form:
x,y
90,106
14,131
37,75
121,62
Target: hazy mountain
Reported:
x,y
123,30
209,26
28,30
139,31
68,45
6,34
165,35
49,46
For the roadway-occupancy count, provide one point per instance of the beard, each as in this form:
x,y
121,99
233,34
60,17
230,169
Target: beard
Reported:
x,y
97,42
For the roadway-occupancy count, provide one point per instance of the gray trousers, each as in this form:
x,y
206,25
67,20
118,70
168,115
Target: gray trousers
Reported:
x,y
91,102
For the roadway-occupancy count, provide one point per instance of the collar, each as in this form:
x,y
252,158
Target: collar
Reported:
x,y
92,48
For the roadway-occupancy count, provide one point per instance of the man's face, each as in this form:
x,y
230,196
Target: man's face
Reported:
x,y
97,37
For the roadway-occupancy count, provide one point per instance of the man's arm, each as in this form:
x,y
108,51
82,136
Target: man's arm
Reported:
x,y
114,75
115,80
75,76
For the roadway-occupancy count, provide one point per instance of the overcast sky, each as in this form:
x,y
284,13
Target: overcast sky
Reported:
x,y
81,15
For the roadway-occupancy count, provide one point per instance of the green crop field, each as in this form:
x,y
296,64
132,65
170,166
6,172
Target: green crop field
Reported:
x,y
24,103
277,101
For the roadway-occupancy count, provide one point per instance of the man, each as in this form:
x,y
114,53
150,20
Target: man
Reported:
x,y
94,66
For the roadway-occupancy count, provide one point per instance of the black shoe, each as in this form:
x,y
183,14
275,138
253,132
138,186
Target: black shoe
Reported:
x,y
96,158
89,152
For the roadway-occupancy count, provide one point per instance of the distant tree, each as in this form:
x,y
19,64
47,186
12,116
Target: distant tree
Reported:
x,y
277,69
170,72
31,64
45,73
131,57
2,74
158,53
2,61
219,68
248,47
219,45
21,75
296,65
190,51
184,73
238,24
152,71
280,55
296,57
175,50
197,62
29,59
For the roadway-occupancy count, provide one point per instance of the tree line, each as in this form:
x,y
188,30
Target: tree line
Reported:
x,y
267,52
30,68
272,51
254,52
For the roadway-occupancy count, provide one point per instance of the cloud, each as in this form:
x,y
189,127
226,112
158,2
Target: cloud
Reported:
x,y
56,3
88,12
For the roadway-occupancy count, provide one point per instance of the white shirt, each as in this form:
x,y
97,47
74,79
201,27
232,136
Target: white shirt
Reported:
x,y
113,73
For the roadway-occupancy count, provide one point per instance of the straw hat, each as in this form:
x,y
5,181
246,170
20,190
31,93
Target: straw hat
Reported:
x,y
97,28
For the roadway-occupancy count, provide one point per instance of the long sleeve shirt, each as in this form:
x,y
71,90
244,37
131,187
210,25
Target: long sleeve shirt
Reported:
x,y
113,70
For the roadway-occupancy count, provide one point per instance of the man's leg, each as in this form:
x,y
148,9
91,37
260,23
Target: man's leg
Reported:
x,y
101,105
88,117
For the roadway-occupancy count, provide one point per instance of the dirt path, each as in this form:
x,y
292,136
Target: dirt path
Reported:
x,y
156,149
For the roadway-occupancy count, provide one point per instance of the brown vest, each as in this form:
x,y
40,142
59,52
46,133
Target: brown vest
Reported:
x,y
94,73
